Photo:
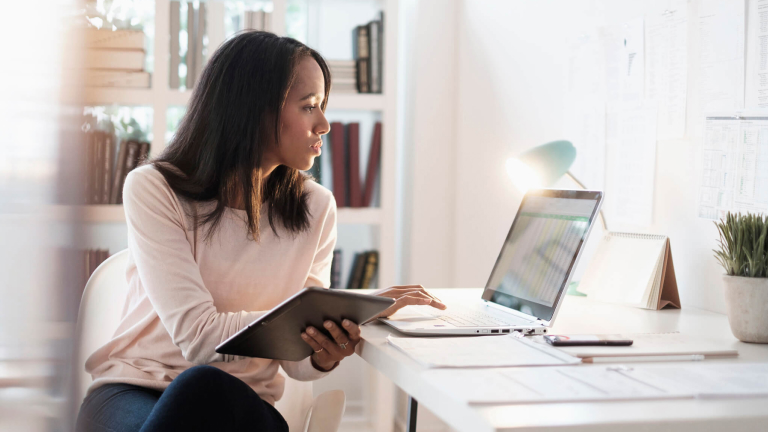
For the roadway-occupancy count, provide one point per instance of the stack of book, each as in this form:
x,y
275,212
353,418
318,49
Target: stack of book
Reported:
x,y
363,272
344,75
193,59
347,186
107,165
368,51
115,58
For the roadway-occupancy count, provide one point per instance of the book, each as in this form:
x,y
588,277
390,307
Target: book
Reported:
x,y
108,143
633,270
120,59
362,76
360,42
353,152
118,179
191,49
336,269
369,269
254,20
117,78
131,160
356,274
121,39
97,173
374,65
143,154
373,165
175,25
339,164
267,22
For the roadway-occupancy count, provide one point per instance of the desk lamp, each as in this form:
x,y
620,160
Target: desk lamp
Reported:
x,y
542,166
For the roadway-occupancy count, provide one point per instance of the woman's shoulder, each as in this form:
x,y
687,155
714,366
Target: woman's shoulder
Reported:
x,y
319,197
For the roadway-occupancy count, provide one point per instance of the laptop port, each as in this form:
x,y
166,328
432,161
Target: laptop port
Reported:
x,y
494,331
505,331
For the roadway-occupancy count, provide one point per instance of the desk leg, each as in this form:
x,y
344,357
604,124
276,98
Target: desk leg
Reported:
x,y
413,407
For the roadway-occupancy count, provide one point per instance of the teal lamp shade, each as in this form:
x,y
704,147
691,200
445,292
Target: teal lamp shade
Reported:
x,y
541,166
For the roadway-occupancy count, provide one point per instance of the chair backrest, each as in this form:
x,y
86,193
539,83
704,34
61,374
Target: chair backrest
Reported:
x,y
100,310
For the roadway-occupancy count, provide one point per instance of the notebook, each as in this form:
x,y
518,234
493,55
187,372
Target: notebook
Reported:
x,y
633,270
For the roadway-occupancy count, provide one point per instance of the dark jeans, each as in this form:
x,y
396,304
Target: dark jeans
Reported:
x,y
202,398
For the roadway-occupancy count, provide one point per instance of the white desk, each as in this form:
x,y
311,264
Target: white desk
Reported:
x,y
579,315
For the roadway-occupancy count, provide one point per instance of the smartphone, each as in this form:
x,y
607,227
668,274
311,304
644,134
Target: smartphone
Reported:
x,y
588,340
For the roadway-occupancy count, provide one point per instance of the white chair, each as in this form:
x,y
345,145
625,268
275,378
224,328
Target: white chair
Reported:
x,y
99,316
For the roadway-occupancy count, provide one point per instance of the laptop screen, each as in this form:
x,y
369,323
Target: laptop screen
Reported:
x,y
541,250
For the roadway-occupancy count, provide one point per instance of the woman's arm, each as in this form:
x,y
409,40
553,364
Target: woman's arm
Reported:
x,y
158,244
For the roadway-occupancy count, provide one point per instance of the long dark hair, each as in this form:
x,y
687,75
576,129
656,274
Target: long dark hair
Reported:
x,y
232,118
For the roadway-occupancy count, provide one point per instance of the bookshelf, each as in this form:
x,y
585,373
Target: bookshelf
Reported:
x,y
370,397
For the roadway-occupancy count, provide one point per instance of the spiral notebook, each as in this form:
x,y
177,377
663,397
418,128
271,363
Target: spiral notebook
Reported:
x,y
633,270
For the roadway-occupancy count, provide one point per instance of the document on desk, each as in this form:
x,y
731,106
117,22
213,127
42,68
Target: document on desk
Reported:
x,y
659,344
480,352
601,383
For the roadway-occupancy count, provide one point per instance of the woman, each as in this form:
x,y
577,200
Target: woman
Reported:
x,y
222,227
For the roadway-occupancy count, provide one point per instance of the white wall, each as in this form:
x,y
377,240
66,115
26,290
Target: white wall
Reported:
x,y
511,59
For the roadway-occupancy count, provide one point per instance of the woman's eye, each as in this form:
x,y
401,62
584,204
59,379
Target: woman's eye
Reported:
x,y
310,108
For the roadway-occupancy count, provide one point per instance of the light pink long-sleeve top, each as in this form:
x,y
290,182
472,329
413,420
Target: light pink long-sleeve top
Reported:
x,y
186,296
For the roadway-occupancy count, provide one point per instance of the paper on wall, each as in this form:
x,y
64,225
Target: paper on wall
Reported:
x,y
632,78
721,54
734,171
757,55
666,78
632,167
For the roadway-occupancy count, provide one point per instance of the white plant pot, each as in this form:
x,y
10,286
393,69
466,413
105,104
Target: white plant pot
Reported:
x,y
746,302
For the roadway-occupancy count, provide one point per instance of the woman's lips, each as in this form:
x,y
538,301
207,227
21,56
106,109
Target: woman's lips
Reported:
x,y
316,147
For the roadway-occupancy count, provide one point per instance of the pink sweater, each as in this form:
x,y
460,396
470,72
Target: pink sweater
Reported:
x,y
186,297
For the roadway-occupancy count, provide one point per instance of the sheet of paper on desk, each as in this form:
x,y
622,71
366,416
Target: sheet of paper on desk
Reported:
x,y
480,351
648,344
544,385
707,381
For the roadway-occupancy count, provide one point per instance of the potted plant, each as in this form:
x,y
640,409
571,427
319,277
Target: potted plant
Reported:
x,y
744,255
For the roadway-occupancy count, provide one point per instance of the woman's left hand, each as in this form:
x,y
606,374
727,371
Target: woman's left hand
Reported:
x,y
328,352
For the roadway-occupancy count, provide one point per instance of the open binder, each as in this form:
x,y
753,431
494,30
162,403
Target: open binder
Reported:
x,y
633,270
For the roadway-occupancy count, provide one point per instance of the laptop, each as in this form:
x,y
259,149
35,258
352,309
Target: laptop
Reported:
x,y
531,274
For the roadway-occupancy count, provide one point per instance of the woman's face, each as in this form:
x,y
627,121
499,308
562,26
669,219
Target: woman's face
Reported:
x,y
303,122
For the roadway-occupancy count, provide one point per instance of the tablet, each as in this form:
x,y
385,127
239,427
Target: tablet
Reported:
x,y
277,334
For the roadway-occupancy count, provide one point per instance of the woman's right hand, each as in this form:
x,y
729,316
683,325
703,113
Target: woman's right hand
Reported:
x,y
406,295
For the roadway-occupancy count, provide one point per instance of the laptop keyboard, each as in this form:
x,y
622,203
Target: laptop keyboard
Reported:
x,y
475,319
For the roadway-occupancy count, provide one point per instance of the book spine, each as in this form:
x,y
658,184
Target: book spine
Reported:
x,y
116,59
117,182
106,174
120,39
130,162
353,138
373,166
357,271
338,154
374,78
175,26
362,76
143,154
336,269
89,168
98,164
191,49
371,265
267,21
116,78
